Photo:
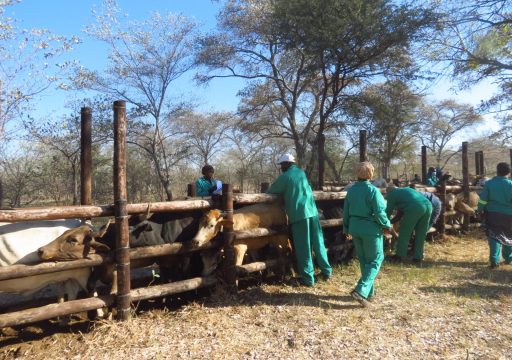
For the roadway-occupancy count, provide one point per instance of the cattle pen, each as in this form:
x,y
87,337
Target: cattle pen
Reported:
x,y
123,254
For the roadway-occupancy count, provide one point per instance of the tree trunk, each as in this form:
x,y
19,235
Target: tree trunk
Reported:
x,y
76,186
321,159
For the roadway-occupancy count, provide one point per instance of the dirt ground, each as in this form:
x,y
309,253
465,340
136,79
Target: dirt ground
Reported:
x,y
453,307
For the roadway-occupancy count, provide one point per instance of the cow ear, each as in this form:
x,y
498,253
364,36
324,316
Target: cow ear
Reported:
x,y
103,230
147,227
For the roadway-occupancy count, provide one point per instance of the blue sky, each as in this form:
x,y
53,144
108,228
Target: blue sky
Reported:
x,y
68,17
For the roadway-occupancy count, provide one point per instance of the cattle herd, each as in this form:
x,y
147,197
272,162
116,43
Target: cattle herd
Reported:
x,y
67,240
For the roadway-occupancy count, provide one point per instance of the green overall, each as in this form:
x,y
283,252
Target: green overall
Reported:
x,y
203,185
417,210
364,217
496,196
303,217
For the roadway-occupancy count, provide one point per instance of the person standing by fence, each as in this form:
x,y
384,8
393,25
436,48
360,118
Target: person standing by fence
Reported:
x,y
303,217
496,206
206,185
365,221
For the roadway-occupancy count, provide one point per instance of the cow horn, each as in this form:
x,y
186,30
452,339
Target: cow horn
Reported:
x,y
103,230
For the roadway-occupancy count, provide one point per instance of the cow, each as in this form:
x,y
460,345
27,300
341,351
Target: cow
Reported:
x,y
19,244
457,203
246,218
145,230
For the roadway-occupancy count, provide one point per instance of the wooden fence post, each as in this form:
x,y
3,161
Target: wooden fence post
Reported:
x,y
482,166
229,270
191,190
363,153
477,164
264,187
442,219
465,182
86,156
423,164
120,199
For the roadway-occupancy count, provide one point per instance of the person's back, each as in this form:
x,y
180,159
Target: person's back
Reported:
x,y
358,199
298,196
497,192
405,199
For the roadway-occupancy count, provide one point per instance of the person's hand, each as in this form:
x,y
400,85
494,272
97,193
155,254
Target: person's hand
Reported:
x,y
348,237
212,189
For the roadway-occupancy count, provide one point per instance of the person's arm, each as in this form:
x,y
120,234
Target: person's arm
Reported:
x,y
277,186
391,204
379,210
484,198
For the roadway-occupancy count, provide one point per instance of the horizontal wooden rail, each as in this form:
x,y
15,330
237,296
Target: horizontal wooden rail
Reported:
x,y
87,211
172,288
54,310
257,266
24,270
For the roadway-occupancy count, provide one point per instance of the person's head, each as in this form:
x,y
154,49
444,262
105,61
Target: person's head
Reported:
x,y
286,160
431,170
503,169
364,170
207,171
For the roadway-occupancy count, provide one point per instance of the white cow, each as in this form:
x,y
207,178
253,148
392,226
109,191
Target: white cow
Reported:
x,y
19,243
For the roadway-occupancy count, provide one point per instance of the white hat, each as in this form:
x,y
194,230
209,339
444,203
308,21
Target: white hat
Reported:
x,y
286,158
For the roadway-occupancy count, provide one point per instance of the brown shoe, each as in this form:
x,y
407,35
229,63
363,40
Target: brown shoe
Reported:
x,y
361,300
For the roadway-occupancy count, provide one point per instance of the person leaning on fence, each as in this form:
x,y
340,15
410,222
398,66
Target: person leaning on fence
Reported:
x,y
432,179
495,204
365,221
303,217
206,185
416,211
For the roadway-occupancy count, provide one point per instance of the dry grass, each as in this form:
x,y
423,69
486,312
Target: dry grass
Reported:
x,y
454,307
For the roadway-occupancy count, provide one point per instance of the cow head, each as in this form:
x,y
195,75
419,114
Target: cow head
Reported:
x,y
450,200
74,244
209,226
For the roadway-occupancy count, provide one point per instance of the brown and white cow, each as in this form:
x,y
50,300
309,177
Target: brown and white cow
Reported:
x,y
457,203
246,218
19,244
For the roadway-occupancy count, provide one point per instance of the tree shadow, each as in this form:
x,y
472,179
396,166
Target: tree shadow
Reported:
x,y
472,290
257,296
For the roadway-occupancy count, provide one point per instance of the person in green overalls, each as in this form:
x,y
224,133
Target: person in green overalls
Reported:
x,y
365,221
206,185
496,205
303,218
416,211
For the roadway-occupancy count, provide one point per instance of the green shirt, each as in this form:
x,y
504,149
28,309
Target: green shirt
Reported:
x,y
203,185
405,199
298,196
364,201
432,180
496,196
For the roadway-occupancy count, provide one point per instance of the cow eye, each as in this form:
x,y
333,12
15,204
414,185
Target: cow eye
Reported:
x,y
211,225
73,241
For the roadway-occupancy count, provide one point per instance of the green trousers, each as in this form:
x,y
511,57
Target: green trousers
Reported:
x,y
494,252
307,235
416,220
370,253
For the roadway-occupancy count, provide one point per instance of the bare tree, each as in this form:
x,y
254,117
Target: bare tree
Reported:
x,y
145,58
441,122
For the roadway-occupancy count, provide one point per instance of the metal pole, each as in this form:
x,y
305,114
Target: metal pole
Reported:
x,y
465,182
229,270
86,156
363,154
423,164
120,198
